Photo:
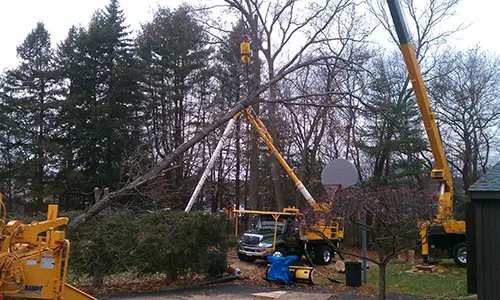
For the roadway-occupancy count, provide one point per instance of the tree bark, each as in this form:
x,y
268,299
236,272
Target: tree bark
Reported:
x,y
254,138
237,189
382,272
273,131
381,282
39,192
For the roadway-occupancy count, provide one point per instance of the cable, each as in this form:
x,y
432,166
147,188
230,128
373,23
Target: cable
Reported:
x,y
11,271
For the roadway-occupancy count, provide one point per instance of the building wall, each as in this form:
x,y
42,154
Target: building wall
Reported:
x,y
487,246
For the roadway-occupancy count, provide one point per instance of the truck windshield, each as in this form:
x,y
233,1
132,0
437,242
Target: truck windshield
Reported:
x,y
268,224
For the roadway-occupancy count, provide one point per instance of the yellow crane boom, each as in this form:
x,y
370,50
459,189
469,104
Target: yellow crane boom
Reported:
x,y
441,173
264,134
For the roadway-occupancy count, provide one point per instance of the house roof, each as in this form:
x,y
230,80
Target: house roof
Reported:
x,y
489,182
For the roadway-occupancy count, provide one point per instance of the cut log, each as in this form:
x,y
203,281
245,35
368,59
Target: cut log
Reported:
x,y
339,266
411,257
426,268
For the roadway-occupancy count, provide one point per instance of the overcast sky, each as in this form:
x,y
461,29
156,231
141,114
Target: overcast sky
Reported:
x,y
18,17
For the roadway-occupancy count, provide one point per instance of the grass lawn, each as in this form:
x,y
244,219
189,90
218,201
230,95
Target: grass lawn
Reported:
x,y
451,283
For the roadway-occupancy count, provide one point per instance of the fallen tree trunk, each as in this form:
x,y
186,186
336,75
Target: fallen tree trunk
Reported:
x,y
154,172
106,201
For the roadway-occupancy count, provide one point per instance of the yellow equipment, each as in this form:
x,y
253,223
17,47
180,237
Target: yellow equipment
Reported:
x,y
331,229
34,259
301,242
245,50
300,274
448,234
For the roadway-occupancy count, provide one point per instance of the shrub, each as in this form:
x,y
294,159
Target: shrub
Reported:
x,y
148,243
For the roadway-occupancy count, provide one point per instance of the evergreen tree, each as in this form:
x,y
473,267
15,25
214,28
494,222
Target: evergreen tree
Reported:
x,y
31,95
8,170
174,54
101,113
392,135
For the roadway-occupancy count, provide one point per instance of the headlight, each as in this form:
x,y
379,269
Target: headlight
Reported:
x,y
265,245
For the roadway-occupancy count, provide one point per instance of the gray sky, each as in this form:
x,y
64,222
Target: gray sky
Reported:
x,y
18,17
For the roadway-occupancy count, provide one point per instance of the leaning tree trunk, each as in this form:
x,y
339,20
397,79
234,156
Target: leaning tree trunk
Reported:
x,y
158,169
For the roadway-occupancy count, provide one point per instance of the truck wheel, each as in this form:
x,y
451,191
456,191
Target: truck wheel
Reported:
x,y
246,258
323,255
460,254
280,252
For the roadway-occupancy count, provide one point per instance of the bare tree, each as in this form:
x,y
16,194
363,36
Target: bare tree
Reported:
x,y
391,214
392,92
468,109
275,25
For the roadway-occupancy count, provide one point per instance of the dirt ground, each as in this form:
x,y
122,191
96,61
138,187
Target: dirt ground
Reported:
x,y
255,272
252,277
251,285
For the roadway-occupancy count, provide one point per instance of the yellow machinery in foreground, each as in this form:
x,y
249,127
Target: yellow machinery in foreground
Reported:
x,y
34,259
445,234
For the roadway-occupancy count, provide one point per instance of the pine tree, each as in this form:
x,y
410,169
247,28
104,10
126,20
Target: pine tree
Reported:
x,y
101,113
174,59
392,136
7,157
31,91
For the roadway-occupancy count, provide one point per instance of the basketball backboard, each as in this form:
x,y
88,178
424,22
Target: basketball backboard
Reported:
x,y
339,172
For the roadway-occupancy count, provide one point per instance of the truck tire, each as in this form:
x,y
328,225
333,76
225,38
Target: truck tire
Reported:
x,y
460,254
246,258
323,255
280,252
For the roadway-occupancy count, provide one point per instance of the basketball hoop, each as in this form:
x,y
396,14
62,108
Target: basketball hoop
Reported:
x,y
331,189
338,174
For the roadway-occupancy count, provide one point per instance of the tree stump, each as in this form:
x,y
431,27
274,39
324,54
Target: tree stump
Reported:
x,y
339,266
402,257
170,276
97,277
411,257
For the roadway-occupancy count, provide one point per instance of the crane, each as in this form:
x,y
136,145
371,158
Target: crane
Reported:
x,y
445,233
